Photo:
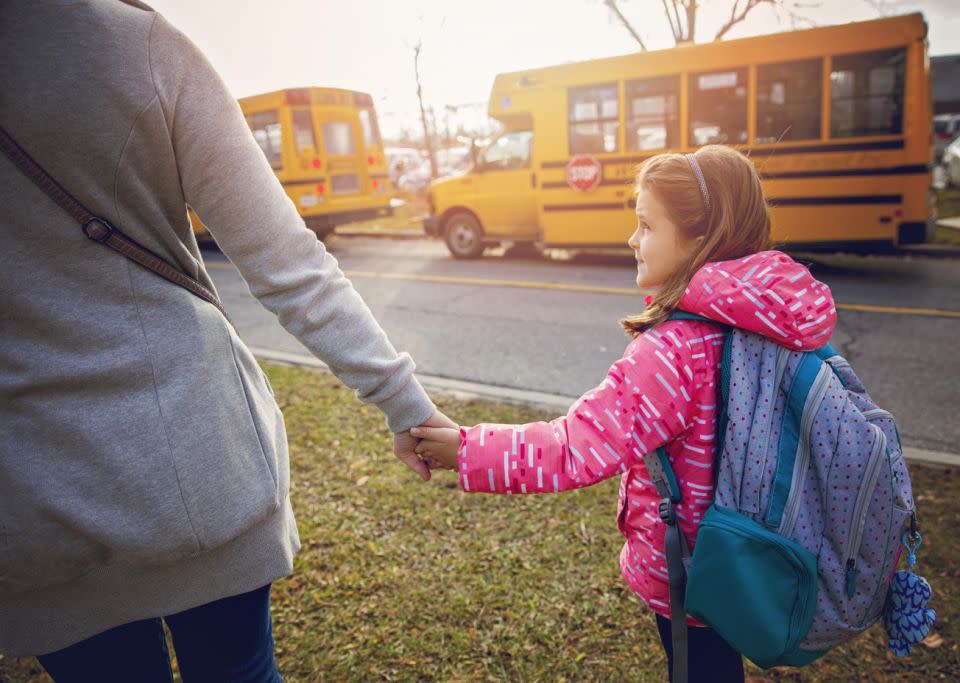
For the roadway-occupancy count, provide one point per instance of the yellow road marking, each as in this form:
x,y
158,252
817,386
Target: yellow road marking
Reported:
x,y
485,282
594,289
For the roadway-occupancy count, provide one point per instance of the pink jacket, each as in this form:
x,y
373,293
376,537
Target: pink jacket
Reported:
x,y
663,391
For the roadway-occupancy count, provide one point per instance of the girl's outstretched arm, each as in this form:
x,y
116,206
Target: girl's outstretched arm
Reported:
x,y
644,402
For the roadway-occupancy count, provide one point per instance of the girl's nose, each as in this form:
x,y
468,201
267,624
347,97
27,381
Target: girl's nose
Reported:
x,y
633,242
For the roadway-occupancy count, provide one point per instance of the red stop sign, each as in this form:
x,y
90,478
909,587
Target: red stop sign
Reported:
x,y
584,173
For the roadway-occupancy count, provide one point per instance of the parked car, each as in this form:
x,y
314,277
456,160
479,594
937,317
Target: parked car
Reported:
x,y
946,127
951,162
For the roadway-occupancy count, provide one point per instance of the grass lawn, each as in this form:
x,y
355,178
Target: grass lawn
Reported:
x,y
948,205
404,581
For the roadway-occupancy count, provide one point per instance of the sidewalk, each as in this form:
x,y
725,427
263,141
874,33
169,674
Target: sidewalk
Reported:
x,y
558,403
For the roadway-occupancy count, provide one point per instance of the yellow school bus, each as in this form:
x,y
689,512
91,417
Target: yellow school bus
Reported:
x,y
836,119
324,145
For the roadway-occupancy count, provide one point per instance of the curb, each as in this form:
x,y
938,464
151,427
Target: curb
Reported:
x,y
465,390
386,234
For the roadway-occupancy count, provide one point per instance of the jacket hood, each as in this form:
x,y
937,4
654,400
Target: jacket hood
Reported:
x,y
767,293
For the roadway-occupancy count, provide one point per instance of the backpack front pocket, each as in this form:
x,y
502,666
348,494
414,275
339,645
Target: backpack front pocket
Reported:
x,y
755,588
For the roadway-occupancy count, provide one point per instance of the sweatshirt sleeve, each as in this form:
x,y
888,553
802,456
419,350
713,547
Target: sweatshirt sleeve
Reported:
x,y
229,183
643,403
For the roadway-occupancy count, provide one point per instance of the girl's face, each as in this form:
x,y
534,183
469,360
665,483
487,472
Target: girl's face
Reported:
x,y
657,243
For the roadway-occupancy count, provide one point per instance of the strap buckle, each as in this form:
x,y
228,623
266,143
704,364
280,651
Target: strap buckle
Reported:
x,y
98,229
667,515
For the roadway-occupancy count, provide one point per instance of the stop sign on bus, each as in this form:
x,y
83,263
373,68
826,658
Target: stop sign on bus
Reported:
x,y
584,173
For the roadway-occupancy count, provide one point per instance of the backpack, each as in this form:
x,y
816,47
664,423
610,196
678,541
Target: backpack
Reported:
x,y
796,553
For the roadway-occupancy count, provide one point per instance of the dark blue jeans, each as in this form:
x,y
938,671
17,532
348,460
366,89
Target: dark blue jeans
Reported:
x,y
227,640
710,659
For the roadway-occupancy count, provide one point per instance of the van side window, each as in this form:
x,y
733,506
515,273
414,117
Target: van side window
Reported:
x,y
338,138
866,93
653,113
509,151
718,107
303,134
788,100
594,118
267,132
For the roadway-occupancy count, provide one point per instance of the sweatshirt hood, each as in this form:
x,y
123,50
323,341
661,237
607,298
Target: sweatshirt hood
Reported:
x,y
767,293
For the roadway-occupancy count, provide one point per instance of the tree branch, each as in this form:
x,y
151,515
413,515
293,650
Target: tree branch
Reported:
x,y
736,18
612,4
674,27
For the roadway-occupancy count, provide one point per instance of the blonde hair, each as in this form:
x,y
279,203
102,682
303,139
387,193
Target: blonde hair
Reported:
x,y
735,224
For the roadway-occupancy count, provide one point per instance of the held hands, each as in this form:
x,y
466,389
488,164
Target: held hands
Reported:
x,y
405,445
438,445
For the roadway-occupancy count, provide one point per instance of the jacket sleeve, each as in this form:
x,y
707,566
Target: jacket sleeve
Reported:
x,y
229,183
643,403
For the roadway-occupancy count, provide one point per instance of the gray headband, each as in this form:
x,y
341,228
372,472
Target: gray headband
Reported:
x,y
703,183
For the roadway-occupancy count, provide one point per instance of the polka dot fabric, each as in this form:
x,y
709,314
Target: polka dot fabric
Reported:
x,y
849,492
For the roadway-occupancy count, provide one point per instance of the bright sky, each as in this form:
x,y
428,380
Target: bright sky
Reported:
x,y
367,45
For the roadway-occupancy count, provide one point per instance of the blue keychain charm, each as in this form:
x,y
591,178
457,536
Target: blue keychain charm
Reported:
x,y
906,617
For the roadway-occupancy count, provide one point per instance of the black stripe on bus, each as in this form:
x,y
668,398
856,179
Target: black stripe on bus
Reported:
x,y
833,173
824,201
582,207
796,149
625,182
892,170
305,181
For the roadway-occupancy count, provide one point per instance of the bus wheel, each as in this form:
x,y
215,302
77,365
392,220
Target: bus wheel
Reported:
x,y
463,236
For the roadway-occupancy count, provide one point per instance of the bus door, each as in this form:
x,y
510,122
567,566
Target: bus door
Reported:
x,y
347,176
376,160
306,181
504,187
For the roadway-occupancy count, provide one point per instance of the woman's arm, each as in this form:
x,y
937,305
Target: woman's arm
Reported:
x,y
229,183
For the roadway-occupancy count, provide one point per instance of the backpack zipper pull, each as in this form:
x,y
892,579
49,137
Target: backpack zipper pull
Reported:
x,y
851,577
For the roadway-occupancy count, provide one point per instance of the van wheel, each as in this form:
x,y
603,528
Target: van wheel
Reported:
x,y
463,236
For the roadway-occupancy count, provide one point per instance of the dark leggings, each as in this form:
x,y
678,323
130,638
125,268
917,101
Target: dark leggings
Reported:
x,y
710,659
227,641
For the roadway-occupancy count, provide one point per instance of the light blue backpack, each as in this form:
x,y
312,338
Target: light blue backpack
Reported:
x,y
796,553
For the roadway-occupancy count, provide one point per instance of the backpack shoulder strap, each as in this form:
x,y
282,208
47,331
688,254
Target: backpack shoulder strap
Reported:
x,y
677,552
684,315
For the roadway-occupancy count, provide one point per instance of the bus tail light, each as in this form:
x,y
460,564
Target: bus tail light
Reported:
x,y
317,163
299,96
320,189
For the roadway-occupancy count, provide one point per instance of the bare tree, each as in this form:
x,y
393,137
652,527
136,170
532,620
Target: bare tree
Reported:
x,y
682,16
427,138
612,4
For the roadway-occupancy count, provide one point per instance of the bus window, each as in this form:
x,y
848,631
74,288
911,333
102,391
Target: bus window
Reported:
x,y
788,100
866,94
371,135
338,138
267,132
653,118
718,107
303,134
594,118
509,151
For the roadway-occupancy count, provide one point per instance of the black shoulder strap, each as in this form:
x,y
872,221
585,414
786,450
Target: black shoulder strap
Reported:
x,y
99,229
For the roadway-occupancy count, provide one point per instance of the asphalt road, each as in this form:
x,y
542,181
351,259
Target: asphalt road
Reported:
x,y
468,320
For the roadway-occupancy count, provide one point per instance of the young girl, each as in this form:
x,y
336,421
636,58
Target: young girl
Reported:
x,y
702,228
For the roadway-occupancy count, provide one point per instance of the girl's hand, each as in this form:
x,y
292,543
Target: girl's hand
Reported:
x,y
438,446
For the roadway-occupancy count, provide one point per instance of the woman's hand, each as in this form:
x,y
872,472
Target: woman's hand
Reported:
x,y
438,446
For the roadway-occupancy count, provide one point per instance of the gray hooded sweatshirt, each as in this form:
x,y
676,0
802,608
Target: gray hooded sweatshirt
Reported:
x,y
143,459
